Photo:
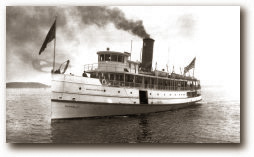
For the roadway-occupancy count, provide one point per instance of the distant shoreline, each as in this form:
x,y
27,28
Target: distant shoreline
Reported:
x,y
41,85
26,85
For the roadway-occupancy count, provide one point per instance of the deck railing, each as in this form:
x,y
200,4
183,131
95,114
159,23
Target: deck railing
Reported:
x,y
107,67
91,67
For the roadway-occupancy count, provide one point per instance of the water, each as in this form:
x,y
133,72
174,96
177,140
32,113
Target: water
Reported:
x,y
215,120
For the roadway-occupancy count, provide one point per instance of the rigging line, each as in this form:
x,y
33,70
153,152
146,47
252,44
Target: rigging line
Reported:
x,y
54,45
127,95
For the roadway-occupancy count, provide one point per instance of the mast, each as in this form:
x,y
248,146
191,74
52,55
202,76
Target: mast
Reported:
x,y
141,54
54,48
131,49
168,59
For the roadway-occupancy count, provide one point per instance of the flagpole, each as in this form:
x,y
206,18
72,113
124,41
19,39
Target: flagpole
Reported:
x,y
193,72
54,47
193,79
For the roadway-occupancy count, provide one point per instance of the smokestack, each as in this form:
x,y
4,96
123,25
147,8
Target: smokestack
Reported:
x,y
147,54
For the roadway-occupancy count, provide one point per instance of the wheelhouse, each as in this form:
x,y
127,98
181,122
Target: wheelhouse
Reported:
x,y
111,61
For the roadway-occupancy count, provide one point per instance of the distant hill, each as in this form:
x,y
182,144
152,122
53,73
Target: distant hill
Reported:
x,y
25,85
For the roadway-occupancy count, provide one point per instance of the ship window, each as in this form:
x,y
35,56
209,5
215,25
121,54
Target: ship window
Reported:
x,y
106,76
120,59
131,92
102,58
163,82
152,81
155,82
160,83
167,82
101,75
114,58
118,91
111,77
107,57
121,77
117,77
138,79
146,81
129,78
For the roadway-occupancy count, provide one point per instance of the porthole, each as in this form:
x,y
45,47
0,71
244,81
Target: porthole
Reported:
x,y
104,90
79,88
119,91
150,93
131,92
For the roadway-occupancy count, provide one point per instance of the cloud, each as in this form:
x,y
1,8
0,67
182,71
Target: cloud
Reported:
x,y
186,24
26,29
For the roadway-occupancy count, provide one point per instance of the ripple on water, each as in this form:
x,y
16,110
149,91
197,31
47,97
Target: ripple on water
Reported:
x,y
215,120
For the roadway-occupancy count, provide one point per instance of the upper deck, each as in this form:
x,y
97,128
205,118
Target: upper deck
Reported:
x,y
116,69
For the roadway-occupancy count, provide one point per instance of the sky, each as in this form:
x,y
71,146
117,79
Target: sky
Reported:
x,y
209,33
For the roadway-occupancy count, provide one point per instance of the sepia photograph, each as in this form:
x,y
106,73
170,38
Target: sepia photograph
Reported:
x,y
123,74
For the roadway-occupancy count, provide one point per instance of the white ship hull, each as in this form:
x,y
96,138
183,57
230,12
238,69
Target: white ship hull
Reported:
x,y
78,97
70,109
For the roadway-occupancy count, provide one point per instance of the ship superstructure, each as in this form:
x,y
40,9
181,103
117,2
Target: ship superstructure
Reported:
x,y
118,86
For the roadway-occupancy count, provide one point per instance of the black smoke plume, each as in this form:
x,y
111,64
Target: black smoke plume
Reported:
x,y
102,16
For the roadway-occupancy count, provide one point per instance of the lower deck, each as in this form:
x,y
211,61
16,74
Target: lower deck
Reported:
x,y
75,97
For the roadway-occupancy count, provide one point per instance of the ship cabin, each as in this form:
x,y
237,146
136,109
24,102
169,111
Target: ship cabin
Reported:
x,y
115,69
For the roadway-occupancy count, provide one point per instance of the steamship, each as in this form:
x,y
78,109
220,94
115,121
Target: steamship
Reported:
x,y
118,86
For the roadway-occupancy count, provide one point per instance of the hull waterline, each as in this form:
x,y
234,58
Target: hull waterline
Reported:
x,y
73,109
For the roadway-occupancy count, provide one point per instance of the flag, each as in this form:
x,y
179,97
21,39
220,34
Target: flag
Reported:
x,y
50,36
190,66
